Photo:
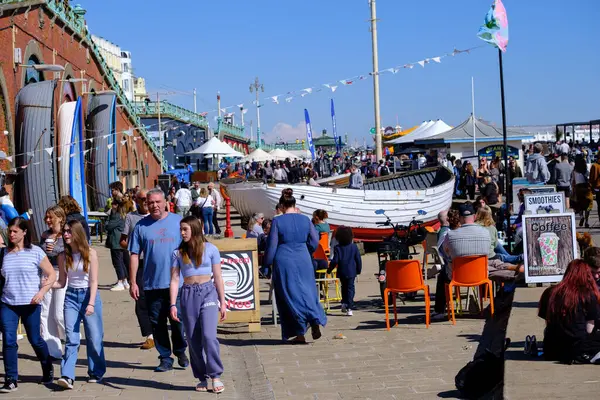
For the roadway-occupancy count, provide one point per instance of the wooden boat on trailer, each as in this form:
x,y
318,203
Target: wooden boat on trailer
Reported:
x,y
401,196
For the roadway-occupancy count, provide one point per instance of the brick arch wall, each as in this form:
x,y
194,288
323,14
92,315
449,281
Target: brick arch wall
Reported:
x,y
32,49
68,73
40,40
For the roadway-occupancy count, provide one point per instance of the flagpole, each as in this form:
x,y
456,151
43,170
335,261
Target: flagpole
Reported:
x,y
507,186
378,138
473,114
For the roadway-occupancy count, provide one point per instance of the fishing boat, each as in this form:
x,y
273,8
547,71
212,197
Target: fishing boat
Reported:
x,y
401,196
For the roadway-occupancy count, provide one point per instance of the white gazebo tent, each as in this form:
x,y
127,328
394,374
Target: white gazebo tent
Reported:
x,y
281,154
304,154
432,128
258,155
215,147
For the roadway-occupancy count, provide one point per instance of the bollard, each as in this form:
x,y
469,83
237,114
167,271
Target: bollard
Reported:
x,y
228,230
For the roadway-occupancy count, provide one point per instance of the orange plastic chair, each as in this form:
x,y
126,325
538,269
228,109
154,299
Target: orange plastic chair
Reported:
x,y
243,236
320,254
468,271
324,241
404,276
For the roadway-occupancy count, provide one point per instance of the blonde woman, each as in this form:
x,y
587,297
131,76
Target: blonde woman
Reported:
x,y
79,265
52,323
484,217
255,225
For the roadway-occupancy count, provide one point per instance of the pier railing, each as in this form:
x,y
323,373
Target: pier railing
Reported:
x,y
169,110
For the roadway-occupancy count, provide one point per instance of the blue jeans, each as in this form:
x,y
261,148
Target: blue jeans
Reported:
x,y
76,301
505,256
158,302
207,219
9,321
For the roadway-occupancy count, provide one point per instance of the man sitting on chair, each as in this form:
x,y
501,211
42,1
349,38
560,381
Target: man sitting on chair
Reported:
x,y
470,239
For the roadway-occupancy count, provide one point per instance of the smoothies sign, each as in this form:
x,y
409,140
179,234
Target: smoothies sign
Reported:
x,y
544,203
549,245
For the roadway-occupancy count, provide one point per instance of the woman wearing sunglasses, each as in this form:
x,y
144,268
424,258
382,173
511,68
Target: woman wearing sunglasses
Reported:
x,y
79,265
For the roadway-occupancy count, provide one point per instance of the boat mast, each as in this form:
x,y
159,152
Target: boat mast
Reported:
x,y
378,139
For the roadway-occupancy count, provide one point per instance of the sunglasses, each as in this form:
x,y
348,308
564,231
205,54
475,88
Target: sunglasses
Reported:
x,y
66,231
141,198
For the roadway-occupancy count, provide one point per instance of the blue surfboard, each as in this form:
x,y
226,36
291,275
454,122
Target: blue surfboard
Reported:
x,y
77,186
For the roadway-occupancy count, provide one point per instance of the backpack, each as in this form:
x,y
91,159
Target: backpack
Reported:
x,y
385,170
481,375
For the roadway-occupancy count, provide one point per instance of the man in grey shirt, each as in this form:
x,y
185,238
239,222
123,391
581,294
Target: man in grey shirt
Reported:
x,y
563,177
141,309
470,239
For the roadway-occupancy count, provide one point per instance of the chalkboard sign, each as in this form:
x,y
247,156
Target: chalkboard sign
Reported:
x,y
549,245
239,266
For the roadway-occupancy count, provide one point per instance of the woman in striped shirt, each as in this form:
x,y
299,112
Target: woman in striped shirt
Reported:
x,y
23,264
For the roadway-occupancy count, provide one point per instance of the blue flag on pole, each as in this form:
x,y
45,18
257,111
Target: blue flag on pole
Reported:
x,y
309,139
335,136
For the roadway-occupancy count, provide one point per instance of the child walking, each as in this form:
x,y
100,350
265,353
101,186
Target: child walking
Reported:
x,y
346,257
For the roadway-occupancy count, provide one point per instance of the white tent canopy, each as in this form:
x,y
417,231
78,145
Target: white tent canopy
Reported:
x,y
301,153
258,155
281,154
432,128
216,148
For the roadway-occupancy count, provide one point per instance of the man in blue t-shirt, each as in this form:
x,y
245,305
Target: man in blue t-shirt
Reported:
x,y
157,236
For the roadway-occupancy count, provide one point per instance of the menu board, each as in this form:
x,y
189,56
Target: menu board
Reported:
x,y
239,268
549,245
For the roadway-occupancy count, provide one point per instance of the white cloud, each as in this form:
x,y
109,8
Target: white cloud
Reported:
x,y
287,132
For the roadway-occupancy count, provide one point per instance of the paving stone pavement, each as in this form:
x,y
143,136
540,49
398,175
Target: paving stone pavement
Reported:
x,y
408,362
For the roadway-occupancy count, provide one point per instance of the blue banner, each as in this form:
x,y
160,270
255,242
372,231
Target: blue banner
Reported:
x,y
335,136
309,139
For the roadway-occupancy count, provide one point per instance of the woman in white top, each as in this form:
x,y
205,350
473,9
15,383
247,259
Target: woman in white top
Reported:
x,y
183,200
207,205
79,265
22,266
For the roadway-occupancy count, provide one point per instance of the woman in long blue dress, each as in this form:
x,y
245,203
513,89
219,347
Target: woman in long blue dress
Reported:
x,y
291,242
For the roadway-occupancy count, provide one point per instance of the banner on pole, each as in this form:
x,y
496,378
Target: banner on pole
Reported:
x,y
309,139
333,122
495,28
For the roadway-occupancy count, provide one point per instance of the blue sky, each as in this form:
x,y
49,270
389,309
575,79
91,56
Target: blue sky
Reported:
x,y
552,66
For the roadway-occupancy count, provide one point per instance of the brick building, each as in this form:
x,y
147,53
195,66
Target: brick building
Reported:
x,y
34,32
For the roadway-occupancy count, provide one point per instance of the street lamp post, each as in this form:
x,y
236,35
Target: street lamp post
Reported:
x,y
257,87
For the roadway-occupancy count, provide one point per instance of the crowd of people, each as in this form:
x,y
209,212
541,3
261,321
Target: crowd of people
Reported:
x,y
53,288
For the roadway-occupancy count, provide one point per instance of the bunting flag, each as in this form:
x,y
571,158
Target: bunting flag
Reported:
x,y
290,95
49,150
240,105
110,146
495,28
123,142
9,158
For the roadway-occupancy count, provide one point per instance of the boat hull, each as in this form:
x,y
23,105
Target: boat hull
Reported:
x,y
36,185
349,207
66,115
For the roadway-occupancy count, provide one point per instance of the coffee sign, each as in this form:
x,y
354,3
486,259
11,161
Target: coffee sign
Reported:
x,y
544,203
549,245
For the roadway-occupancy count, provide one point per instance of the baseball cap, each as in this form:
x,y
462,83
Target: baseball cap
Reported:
x,y
466,210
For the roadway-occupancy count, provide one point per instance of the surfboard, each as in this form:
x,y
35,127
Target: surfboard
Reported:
x,y
77,186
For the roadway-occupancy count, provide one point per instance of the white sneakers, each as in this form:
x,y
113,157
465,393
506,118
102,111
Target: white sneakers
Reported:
x,y
120,286
346,310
